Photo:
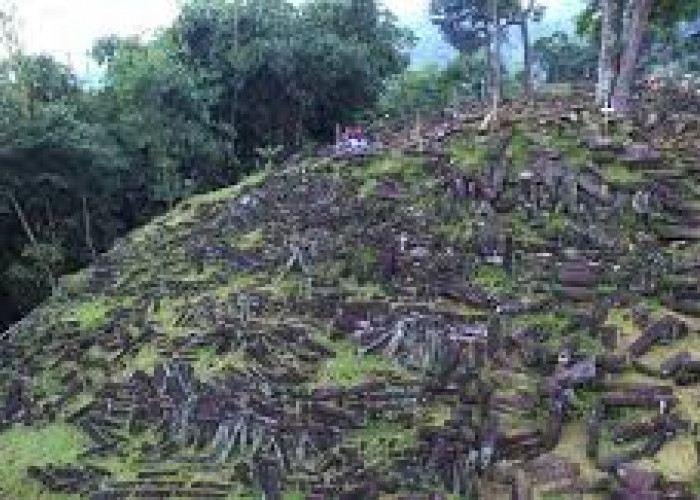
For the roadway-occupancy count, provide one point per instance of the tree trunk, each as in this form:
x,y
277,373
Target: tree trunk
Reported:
x,y
30,235
639,24
627,6
606,72
488,77
527,60
88,229
496,57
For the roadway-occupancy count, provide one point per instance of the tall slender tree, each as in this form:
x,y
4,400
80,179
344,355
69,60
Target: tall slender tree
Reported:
x,y
469,25
638,25
608,41
495,40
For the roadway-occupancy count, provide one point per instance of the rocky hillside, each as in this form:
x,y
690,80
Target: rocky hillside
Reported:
x,y
506,313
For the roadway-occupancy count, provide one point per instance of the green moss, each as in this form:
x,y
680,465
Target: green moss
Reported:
x,y
287,286
22,447
168,313
366,261
239,282
363,291
621,318
523,232
459,231
492,278
552,322
393,165
250,241
348,367
555,224
146,359
126,467
47,382
368,188
469,157
618,174
186,212
519,150
577,156
379,440
437,414
253,180
77,402
91,313
677,460
209,363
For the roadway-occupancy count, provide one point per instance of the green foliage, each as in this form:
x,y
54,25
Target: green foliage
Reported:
x,y
565,59
463,23
429,89
182,113
665,19
279,74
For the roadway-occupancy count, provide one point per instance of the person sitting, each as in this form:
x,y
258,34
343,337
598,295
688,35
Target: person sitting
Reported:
x,y
354,140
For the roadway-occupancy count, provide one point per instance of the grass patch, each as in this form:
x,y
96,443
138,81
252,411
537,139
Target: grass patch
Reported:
x,y
22,447
380,439
523,231
676,460
145,360
239,282
368,188
287,286
550,322
492,278
47,382
621,318
90,314
209,363
185,211
454,233
250,241
392,165
519,150
555,224
348,367
251,181
470,158
437,414
127,466
572,447
618,174
359,291
168,313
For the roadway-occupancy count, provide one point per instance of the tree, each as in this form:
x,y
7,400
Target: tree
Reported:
x,y
606,60
295,72
621,27
429,89
637,26
472,25
185,111
564,58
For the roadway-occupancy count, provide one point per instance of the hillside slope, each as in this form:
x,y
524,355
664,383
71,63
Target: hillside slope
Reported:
x,y
504,313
